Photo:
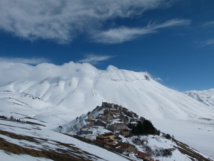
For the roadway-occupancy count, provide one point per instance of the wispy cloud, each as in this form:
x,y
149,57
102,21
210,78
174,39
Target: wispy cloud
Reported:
x,y
208,24
94,59
122,34
207,43
32,61
62,20
158,79
119,35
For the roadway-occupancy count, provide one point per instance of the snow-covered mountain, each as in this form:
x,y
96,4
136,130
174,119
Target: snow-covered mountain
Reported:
x,y
56,95
82,87
118,129
206,97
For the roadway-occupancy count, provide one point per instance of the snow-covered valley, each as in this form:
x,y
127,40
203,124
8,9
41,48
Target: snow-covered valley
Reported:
x,y
54,95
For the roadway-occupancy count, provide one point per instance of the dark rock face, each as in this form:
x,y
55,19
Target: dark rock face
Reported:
x,y
143,128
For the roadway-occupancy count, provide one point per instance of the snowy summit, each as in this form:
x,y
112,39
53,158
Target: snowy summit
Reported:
x,y
54,95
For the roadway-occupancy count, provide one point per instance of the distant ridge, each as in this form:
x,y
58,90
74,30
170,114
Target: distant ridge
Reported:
x,y
206,97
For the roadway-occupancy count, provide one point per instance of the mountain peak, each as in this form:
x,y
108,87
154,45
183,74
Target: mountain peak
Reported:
x,y
83,86
69,90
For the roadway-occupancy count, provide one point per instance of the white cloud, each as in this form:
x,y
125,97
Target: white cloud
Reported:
x,y
158,79
173,22
62,20
10,72
32,61
119,35
94,59
122,34
208,24
207,43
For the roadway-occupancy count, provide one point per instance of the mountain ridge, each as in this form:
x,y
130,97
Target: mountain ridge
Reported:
x,y
206,96
120,130
58,94
91,87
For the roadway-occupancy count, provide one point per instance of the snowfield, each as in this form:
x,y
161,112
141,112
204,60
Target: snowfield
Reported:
x,y
38,138
54,95
206,97
13,157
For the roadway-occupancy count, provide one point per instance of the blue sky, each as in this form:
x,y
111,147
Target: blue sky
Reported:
x,y
171,39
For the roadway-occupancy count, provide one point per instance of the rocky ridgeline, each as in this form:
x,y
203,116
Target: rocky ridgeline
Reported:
x,y
116,119
109,125
117,129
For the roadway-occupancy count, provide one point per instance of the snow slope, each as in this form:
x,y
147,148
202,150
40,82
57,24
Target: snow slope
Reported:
x,y
13,157
82,87
57,94
29,139
206,97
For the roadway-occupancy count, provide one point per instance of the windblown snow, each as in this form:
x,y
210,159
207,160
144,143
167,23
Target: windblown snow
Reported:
x,y
57,94
81,87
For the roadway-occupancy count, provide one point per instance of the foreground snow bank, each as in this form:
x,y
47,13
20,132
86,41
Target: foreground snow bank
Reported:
x,y
13,157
